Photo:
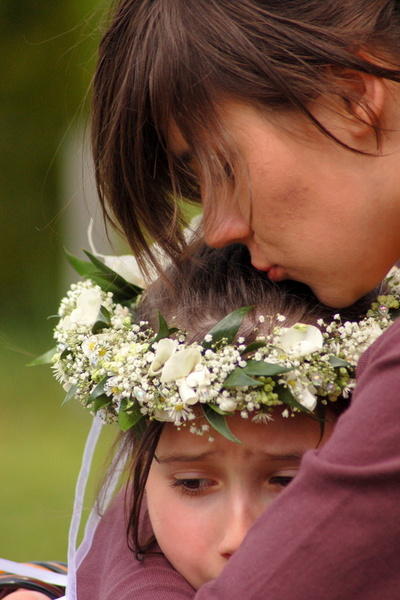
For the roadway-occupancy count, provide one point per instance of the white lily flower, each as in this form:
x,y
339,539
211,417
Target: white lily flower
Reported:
x,y
127,267
165,349
306,399
301,339
228,405
86,312
199,377
187,393
180,364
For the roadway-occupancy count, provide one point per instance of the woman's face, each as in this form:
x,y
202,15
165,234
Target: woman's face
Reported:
x,y
204,496
308,209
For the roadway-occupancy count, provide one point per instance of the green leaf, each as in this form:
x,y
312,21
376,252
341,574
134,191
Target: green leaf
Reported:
x,y
82,267
71,393
163,331
395,314
260,368
287,397
121,287
98,390
217,409
228,327
335,361
238,378
103,320
129,417
253,347
65,353
321,414
109,281
43,359
101,402
219,423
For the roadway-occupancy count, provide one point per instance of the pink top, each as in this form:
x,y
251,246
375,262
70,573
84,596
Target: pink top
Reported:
x,y
333,534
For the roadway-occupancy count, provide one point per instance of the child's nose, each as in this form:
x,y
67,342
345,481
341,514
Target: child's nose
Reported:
x,y
238,523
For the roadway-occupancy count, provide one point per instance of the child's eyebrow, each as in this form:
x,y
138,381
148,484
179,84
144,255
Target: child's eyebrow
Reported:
x,y
181,457
189,458
295,456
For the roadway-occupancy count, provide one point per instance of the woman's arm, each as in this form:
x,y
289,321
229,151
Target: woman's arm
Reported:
x,y
335,532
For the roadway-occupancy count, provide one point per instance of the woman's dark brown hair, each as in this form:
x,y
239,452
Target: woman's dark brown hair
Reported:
x,y
164,61
202,290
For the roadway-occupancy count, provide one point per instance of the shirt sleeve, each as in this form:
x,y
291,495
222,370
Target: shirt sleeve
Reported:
x,y
334,533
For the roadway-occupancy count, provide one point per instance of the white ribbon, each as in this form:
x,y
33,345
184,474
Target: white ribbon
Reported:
x,y
38,573
91,442
75,557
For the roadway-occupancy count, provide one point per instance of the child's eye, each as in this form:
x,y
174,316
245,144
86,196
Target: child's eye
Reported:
x,y
282,480
192,486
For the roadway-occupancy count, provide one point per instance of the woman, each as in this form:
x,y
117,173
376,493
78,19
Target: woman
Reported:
x,y
283,118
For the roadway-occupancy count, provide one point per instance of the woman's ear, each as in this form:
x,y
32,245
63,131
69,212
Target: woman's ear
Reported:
x,y
364,98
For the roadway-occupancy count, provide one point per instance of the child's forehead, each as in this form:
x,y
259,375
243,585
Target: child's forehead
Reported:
x,y
279,437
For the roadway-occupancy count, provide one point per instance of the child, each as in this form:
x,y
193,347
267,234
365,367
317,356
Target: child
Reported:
x,y
201,497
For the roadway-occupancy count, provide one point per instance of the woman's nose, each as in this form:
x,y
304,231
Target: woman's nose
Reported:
x,y
224,227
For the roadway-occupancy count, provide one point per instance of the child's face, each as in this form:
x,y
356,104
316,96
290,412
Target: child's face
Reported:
x,y
204,496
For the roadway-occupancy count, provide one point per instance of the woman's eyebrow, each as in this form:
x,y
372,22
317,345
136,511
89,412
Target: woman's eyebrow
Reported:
x,y
181,457
185,156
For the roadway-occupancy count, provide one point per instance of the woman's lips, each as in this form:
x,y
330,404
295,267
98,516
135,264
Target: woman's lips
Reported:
x,y
276,273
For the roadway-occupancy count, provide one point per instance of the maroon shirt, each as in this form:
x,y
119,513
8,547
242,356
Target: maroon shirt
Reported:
x,y
333,534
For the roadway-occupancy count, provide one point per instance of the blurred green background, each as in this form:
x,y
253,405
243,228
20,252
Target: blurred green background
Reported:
x,y
47,58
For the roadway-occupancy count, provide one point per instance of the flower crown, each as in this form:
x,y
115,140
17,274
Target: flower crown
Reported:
x,y
121,369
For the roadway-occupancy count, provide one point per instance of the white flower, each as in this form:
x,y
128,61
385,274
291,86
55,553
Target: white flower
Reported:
x,y
228,405
262,417
87,309
199,377
306,398
301,339
90,345
127,267
187,393
165,349
163,416
180,364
